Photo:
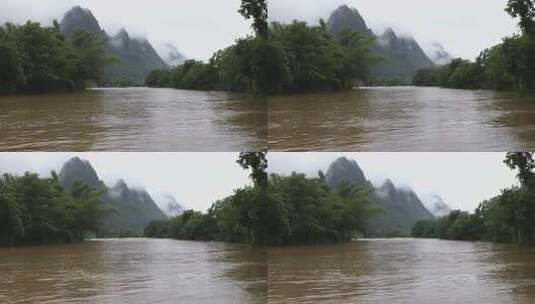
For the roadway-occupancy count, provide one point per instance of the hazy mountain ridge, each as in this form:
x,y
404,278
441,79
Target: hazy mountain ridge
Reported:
x,y
345,169
135,207
171,55
435,205
347,17
402,207
169,205
82,170
79,17
438,54
137,57
403,56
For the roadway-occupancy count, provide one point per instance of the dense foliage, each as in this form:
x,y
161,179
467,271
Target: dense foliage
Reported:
x,y
282,210
250,65
282,58
119,82
233,219
247,66
316,60
506,66
242,217
457,225
509,217
258,11
40,59
36,210
314,212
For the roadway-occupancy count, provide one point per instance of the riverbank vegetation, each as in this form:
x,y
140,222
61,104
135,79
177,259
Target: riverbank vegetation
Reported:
x,y
237,218
281,210
298,58
506,66
35,210
509,217
316,60
280,58
40,59
314,212
247,66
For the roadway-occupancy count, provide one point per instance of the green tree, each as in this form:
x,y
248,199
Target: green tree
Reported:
x,y
288,210
425,229
36,58
295,57
257,10
314,212
316,60
12,227
495,221
35,210
524,162
257,163
525,11
157,229
520,203
89,57
509,65
508,217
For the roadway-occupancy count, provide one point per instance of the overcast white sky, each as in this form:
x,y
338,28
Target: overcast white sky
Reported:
x,y
464,27
463,180
197,28
195,179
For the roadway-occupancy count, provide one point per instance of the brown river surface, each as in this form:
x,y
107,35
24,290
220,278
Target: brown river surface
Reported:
x,y
402,271
133,271
132,119
368,271
402,119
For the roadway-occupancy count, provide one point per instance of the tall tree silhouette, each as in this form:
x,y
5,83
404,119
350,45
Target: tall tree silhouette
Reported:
x,y
525,10
257,10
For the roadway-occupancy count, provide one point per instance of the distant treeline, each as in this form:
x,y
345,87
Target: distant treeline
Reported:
x,y
36,210
284,210
509,217
119,82
506,66
40,59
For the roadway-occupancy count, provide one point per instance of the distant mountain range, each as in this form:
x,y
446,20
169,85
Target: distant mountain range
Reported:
x,y
435,205
137,57
402,207
135,207
438,54
169,205
171,55
403,56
